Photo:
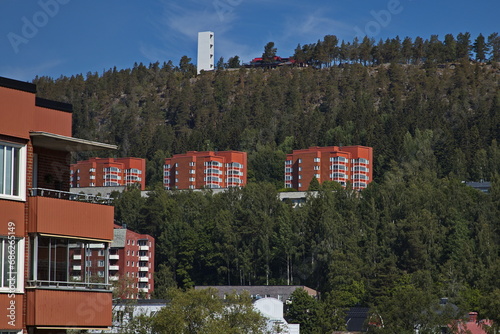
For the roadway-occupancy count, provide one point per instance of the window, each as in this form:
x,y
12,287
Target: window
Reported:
x,y
361,161
317,176
11,272
360,169
288,178
299,161
92,170
191,186
192,163
317,159
316,168
101,252
212,171
134,171
192,171
167,166
338,167
92,177
112,169
234,180
288,170
288,162
12,170
338,159
100,263
54,263
234,165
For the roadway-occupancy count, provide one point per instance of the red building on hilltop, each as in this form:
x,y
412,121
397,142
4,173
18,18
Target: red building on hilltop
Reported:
x,y
43,288
108,172
196,170
352,164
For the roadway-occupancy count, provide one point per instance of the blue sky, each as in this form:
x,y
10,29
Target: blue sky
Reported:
x,y
67,37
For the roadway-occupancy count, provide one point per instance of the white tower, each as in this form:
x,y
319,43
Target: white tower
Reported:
x,y
205,51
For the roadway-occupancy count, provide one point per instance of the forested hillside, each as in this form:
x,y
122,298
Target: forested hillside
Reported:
x,y
415,235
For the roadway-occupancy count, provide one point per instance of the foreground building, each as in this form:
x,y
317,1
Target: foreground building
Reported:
x,y
197,170
345,164
46,285
108,172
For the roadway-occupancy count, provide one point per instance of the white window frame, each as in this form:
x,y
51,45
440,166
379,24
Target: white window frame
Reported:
x,y
19,254
22,173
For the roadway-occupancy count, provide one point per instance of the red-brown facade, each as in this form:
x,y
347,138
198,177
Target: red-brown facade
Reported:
x,y
196,170
108,172
40,223
131,263
353,164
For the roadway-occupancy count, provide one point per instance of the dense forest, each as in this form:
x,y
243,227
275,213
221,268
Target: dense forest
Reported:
x,y
416,234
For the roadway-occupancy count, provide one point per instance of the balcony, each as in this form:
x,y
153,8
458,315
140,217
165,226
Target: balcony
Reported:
x,y
115,267
75,267
113,278
77,257
143,248
143,269
66,309
143,289
114,256
62,213
143,279
143,258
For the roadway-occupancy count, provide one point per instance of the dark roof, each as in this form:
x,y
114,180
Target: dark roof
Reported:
x,y
61,106
19,85
356,319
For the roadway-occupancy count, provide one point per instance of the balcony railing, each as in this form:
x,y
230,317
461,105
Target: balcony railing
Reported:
x,y
43,192
68,285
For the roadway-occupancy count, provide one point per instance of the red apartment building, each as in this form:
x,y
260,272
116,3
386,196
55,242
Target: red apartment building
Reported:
x,y
352,164
108,172
44,287
196,170
131,263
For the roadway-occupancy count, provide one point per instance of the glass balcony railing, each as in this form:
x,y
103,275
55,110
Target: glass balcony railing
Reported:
x,y
43,192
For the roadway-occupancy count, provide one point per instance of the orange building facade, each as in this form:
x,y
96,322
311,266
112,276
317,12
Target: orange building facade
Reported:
x,y
108,172
41,225
353,164
196,170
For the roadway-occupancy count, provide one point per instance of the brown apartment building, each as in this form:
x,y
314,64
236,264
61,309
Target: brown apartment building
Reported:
x,y
108,172
345,164
46,285
196,170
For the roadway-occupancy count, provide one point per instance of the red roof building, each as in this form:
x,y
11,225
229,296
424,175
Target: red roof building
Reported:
x,y
196,170
345,164
108,172
471,325
43,289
